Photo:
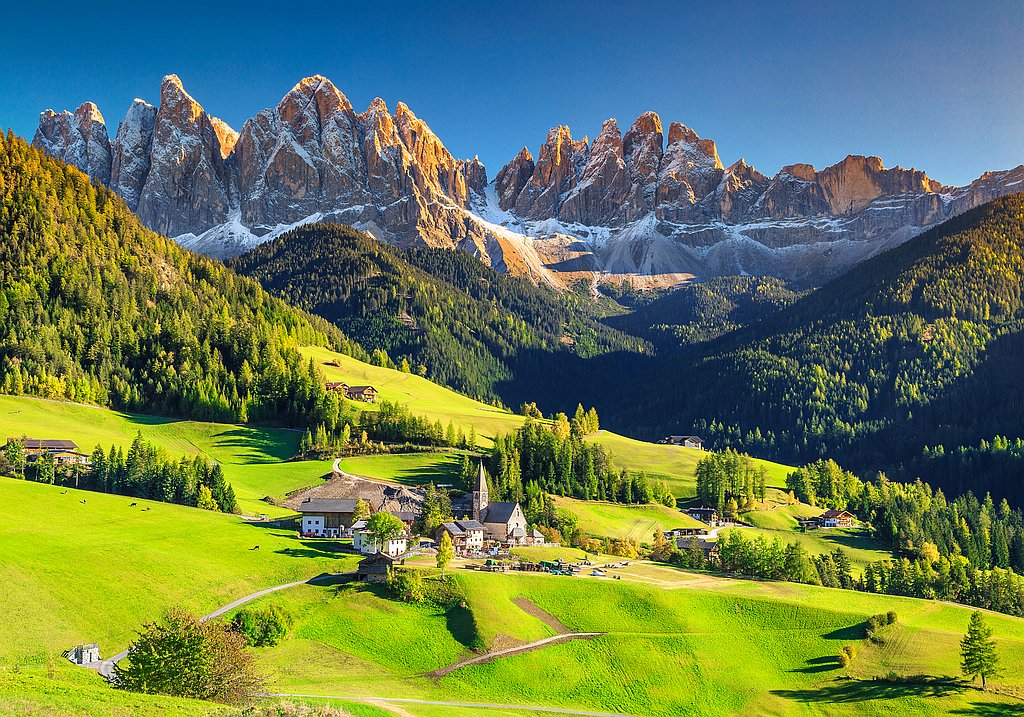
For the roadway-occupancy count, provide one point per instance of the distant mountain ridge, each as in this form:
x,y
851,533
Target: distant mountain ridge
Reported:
x,y
638,206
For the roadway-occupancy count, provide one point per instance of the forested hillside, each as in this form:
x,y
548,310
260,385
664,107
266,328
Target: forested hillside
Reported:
x,y
920,346
96,308
443,312
702,311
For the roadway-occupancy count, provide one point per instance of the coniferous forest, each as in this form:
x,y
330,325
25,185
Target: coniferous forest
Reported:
x,y
128,319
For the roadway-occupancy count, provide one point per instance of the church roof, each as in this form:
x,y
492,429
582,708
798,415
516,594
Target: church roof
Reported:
x,y
481,480
500,512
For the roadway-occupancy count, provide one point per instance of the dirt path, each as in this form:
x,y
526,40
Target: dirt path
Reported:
x,y
471,705
528,647
530,608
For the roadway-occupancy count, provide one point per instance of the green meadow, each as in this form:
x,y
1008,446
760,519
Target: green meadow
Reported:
x,y
407,468
252,457
77,566
688,644
618,521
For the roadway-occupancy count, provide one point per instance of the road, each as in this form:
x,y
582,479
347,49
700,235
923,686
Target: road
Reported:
x,y
471,705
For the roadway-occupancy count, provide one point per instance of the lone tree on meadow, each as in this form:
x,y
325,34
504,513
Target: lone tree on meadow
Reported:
x,y
978,650
445,552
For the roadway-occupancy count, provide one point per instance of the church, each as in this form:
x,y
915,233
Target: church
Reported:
x,y
503,522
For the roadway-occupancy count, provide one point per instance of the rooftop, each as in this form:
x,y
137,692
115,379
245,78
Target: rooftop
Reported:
x,y
340,505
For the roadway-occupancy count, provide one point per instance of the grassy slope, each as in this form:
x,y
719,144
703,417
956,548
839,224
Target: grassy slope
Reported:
x,y
73,572
251,457
407,468
685,644
614,520
673,464
62,690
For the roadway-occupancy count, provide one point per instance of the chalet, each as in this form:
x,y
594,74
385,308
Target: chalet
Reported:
x,y
535,537
836,519
337,387
367,394
708,547
704,515
367,543
684,532
504,522
374,569
467,536
686,441
354,528
64,453
326,518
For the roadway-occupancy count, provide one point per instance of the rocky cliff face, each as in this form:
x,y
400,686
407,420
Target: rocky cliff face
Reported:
x,y
654,208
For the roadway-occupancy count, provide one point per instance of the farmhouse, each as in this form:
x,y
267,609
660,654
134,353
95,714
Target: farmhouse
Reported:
x,y
686,441
64,453
684,532
326,518
367,543
836,519
362,393
704,515
467,535
503,522
375,568
337,387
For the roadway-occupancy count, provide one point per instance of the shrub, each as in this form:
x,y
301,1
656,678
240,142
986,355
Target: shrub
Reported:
x,y
890,617
261,628
406,585
184,657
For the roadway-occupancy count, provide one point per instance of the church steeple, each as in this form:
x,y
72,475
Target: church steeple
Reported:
x,y
480,496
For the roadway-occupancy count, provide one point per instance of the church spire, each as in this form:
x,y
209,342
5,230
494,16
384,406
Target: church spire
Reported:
x,y
480,495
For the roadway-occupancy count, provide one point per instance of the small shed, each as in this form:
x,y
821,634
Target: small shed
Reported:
x,y
374,569
84,654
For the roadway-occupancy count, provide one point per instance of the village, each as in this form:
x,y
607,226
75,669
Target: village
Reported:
x,y
482,538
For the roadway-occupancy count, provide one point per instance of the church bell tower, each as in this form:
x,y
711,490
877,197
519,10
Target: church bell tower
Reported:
x,y
480,497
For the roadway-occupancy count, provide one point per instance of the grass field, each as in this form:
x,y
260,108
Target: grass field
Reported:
x,y
672,464
81,567
618,521
407,468
693,644
251,457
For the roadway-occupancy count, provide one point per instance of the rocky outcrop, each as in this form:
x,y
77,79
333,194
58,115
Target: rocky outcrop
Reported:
x,y
132,149
80,139
642,205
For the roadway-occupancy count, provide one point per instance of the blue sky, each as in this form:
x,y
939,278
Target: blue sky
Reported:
x,y
934,85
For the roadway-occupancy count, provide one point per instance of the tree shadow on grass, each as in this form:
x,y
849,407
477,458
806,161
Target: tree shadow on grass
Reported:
x,y
819,664
847,634
320,549
848,690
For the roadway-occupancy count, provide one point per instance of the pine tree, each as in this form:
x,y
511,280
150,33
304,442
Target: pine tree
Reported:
x,y
205,499
978,650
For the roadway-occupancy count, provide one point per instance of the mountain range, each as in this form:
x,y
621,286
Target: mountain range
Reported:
x,y
646,207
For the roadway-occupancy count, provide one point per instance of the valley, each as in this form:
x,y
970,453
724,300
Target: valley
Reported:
x,y
314,418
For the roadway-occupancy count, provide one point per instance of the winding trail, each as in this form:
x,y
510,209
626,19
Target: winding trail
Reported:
x,y
106,667
528,647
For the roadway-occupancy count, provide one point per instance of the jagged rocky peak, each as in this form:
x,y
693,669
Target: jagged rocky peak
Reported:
x,y
80,139
643,154
850,185
559,164
131,152
602,194
515,175
739,190
475,173
188,188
